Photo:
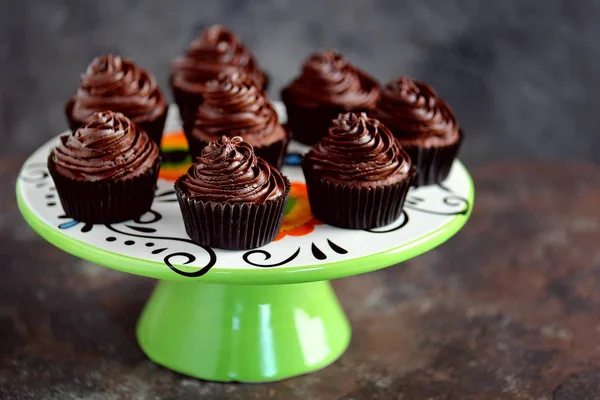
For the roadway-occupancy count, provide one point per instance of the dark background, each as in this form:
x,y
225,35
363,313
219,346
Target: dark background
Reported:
x,y
520,74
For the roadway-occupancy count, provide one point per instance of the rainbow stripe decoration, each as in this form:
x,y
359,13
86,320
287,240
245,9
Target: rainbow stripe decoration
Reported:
x,y
175,157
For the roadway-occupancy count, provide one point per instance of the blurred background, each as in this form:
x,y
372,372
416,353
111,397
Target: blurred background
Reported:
x,y
521,75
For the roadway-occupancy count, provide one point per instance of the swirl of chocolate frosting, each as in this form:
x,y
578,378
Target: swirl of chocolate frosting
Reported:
x,y
114,83
413,109
215,51
361,149
109,146
234,106
228,171
328,78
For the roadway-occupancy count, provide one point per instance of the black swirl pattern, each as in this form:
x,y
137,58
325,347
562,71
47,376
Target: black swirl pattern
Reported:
x,y
267,256
167,259
456,205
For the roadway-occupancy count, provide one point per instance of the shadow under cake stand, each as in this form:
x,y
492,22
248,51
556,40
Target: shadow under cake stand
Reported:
x,y
250,316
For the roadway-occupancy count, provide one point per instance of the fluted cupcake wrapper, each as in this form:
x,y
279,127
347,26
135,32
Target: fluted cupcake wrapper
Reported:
x,y
232,226
309,125
153,127
104,202
156,127
355,207
433,164
273,153
187,101
267,83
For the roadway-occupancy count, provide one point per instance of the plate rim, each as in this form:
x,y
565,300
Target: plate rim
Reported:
x,y
277,275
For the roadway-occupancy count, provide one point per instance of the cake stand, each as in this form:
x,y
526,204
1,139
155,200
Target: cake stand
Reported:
x,y
250,316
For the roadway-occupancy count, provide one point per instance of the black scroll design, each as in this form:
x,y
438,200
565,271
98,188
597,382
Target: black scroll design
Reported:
x,y
167,259
71,223
35,174
444,187
455,204
451,201
190,259
267,255
155,217
395,226
321,255
141,220
317,252
337,248
167,196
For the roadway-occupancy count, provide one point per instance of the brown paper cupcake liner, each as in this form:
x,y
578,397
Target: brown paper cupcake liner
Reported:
x,y
433,164
232,226
273,153
267,83
105,202
309,125
188,102
355,207
154,128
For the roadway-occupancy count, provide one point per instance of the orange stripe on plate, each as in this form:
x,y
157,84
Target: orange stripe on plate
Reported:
x,y
174,139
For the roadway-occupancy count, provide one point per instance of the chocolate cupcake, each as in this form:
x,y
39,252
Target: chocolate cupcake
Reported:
x,y
234,106
106,170
329,85
358,175
116,84
230,198
424,125
214,52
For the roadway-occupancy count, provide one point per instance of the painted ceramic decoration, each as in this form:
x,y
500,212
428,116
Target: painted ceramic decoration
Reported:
x,y
156,244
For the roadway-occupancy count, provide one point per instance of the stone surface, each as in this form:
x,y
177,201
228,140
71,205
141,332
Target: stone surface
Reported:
x,y
520,74
507,309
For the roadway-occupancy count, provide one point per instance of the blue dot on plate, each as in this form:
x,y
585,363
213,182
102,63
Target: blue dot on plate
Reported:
x,y
293,159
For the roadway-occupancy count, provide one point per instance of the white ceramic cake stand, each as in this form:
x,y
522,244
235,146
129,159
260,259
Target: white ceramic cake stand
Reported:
x,y
250,316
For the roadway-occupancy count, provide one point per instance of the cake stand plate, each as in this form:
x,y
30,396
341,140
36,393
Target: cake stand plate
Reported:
x,y
251,316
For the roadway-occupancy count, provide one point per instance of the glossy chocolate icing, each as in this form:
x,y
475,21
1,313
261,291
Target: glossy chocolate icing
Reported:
x,y
359,150
416,114
328,79
217,50
228,171
114,83
109,146
234,106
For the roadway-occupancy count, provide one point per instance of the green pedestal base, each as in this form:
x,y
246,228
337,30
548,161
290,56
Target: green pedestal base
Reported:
x,y
243,333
